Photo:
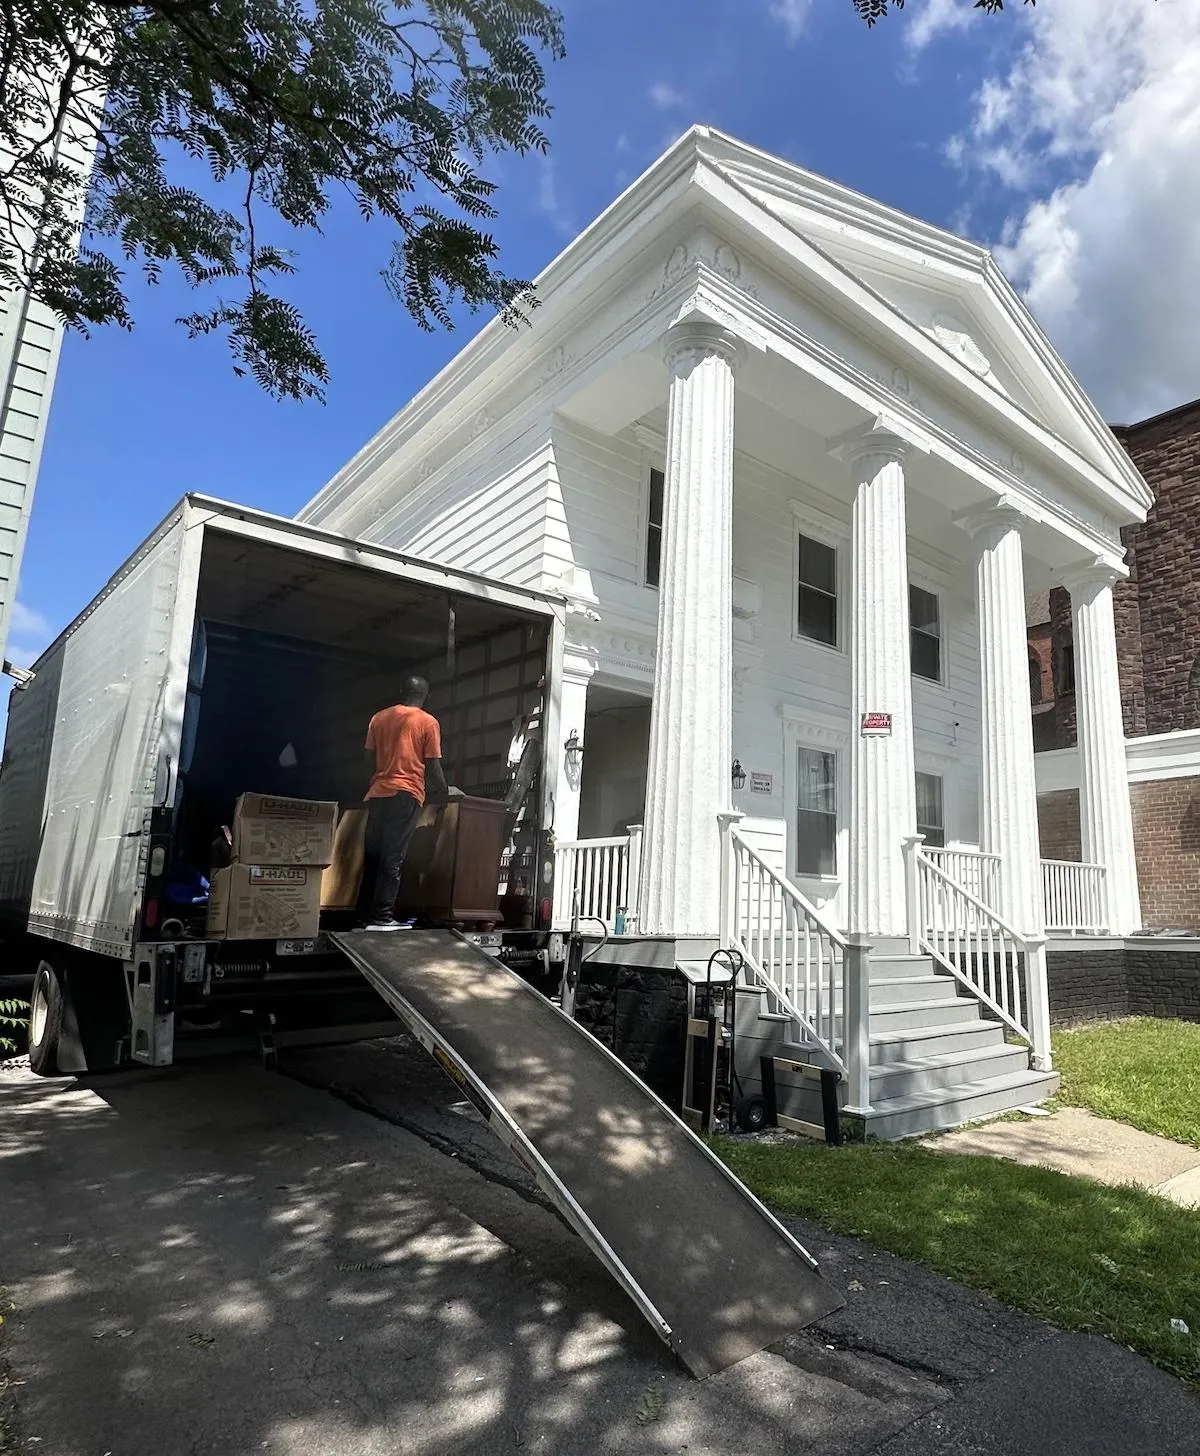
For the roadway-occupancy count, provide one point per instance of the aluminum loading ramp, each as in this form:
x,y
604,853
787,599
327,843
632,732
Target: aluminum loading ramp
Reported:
x,y
715,1274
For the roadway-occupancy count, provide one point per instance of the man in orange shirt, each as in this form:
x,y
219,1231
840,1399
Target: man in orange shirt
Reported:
x,y
404,750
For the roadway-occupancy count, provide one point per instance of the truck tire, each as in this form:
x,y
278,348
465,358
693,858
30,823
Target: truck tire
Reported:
x,y
45,1020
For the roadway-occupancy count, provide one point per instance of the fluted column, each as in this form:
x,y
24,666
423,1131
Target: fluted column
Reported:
x,y
691,715
882,779
1008,809
1106,818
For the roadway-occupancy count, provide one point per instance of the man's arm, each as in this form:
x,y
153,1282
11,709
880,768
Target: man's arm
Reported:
x,y
436,788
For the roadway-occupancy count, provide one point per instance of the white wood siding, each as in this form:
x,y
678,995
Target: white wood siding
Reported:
x,y
486,515
30,336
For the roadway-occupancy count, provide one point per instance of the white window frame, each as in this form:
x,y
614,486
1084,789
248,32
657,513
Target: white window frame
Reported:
x,y
648,469
652,456
818,527
931,771
939,595
801,732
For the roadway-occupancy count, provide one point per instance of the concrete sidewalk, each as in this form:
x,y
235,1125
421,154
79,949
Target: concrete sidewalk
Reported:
x,y
218,1259
1073,1140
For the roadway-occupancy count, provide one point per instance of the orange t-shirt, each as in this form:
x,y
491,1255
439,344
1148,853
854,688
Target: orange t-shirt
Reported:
x,y
403,738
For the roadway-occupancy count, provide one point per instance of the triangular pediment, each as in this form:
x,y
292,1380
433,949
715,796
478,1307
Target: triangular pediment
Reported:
x,y
948,288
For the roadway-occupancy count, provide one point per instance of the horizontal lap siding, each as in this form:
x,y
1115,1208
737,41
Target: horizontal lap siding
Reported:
x,y
597,514
490,518
29,385
813,681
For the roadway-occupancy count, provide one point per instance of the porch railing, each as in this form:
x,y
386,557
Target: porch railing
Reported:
x,y
789,947
1003,969
1074,898
975,871
598,875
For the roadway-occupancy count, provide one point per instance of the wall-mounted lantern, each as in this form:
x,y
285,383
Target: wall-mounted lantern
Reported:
x,y
573,748
739,776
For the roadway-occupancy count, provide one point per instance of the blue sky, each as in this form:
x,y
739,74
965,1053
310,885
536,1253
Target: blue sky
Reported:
x,y
992,126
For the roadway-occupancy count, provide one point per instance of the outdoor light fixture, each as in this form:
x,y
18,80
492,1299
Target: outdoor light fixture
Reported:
x,y
739,775
573,749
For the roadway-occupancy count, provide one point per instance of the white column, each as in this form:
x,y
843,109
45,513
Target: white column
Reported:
x,y
1104,810
1008,808
691,737
882,777
578,668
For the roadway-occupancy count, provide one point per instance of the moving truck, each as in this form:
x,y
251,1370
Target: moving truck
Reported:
x,y
236,653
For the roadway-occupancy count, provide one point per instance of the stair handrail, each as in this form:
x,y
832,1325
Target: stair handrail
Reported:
x,y
985,935
772,952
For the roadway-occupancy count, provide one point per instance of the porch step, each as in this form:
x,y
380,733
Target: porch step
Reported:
x,y
914,1113
906,1016
906,1075
933,1041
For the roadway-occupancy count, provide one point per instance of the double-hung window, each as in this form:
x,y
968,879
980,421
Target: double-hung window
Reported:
x,y
816,600
816,812
925,633
654,528
931,810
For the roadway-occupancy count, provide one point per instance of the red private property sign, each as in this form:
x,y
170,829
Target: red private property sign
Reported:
x,y
876,723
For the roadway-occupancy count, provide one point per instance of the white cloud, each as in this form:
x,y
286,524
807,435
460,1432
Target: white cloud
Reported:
x,y
667,97
935,17
792,15
27,623
549,202
1097,123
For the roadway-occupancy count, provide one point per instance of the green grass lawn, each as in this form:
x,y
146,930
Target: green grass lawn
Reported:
x,y
1142,1071
1118,1262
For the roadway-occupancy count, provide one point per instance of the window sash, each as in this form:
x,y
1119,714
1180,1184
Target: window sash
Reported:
x,y
816,590
816,812
931,809
925,633
654,528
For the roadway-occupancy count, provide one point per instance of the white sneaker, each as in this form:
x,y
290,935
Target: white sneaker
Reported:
x,y
384,927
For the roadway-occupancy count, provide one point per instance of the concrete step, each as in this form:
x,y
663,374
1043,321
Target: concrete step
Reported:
x,y
899,1016
925,1074
914,1113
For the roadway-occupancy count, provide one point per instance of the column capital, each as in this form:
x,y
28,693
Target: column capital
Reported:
x,y
687,344
987,523
1088,578
883,439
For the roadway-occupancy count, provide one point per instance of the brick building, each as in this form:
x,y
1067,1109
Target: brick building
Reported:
x,y
1157,611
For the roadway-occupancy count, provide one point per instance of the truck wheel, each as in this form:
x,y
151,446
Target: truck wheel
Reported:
x,y
45,1020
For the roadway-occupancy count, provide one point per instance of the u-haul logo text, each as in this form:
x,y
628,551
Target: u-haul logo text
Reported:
x,y
278,875
289,808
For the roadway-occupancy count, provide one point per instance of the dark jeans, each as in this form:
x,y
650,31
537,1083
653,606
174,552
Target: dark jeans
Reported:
x,y
390,825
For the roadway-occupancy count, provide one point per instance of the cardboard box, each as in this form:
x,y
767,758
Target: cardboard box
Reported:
x,y
341,882
272,831
265,902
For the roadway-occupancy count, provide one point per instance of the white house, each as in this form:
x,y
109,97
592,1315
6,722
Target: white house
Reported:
x,y
795,459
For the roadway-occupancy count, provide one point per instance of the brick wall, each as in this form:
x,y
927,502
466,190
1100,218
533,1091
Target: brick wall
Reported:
x,y
1058,825
1166,552
1157,610
1166,833
1166,830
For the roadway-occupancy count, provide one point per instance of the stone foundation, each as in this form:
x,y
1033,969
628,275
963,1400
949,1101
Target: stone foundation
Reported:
x,y
1099,981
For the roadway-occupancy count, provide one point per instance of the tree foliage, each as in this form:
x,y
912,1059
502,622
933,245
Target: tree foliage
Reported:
x,y
873,10
222,129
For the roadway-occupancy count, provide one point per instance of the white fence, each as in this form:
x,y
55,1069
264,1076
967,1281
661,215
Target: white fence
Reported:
x,y
1073,897
600,876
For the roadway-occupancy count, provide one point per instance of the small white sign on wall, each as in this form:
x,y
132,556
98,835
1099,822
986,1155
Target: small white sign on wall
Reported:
x,y
761,783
